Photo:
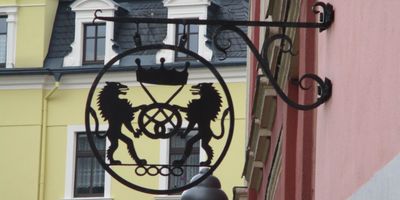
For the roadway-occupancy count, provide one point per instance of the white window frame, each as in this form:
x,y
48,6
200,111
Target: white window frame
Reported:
x,y
72,131
84,14
164,160
11,13
197,9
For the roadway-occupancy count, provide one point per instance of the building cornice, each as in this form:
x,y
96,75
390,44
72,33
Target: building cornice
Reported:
x,y
75,78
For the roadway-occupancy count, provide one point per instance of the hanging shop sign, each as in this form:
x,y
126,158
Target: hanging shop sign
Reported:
x,y
160,119
203,108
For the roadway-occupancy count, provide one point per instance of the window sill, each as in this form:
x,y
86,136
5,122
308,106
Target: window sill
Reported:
x,y
167,197
89,198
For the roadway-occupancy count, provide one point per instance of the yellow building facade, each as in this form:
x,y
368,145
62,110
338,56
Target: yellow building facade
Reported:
x,y
42,108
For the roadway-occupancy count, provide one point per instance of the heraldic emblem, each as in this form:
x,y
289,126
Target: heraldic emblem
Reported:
x,y
138,119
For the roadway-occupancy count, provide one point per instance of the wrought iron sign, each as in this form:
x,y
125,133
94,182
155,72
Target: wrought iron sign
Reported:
x,y
161,118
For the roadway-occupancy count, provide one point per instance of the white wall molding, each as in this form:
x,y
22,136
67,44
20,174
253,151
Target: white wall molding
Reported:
x,y
24,82
172,3
167,197
24,5
234,74
11,12
84,13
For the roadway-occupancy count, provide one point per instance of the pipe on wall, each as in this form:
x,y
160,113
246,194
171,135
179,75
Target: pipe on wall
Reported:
x,y
43,141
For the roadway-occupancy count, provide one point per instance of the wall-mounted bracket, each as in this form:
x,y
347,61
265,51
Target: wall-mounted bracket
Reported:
x,y
326,17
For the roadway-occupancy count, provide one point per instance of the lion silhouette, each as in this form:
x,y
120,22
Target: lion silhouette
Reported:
x,y
118,112
201,112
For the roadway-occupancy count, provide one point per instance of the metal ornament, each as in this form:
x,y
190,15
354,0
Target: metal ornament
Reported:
x,y
326,18
153,119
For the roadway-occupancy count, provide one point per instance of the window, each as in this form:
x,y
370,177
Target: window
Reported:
x,y
197,38
84,176
3,41
176,149
101,53
192,43
94,43
89,174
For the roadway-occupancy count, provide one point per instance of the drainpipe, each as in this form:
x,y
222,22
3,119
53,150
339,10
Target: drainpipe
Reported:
x,y
43,138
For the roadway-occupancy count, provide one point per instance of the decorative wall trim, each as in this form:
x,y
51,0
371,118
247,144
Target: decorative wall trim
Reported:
x,y
234,74
25,82
90,198
25,5
167,197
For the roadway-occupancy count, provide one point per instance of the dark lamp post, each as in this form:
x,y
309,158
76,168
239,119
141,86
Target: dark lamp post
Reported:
x,y
209,189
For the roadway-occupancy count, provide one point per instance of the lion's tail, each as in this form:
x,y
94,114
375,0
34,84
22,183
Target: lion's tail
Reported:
x,y
226,111
96,121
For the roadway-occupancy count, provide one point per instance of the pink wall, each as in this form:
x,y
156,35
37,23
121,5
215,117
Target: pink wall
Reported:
x,y
358,130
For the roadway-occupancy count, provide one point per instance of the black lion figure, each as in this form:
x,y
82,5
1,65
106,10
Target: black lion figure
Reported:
x,y
118,112
201,112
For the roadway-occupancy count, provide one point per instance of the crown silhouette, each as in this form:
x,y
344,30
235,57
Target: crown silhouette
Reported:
x,y
161,76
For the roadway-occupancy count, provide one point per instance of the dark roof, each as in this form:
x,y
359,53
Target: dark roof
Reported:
x,y
230,10
64,27
62,36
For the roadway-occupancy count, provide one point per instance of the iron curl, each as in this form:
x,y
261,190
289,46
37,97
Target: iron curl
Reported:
x,y
325,87
96,16
221,47
326,16
287,41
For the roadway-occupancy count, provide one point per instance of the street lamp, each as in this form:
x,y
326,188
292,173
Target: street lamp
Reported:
x,y
209,189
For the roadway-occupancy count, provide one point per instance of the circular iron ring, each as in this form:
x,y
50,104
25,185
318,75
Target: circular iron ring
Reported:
x,y
90,133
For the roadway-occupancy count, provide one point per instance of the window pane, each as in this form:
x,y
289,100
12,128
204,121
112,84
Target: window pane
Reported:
x,y
83,173
101,30
90,30
192,171
3,25
3,49
98,177
194,42
194,29
83,144
89,174
89,51
100,144
180,55
177,147
100,48
180,29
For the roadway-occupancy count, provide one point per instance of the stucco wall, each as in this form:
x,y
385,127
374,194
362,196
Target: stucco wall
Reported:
x,y
358,130
20,129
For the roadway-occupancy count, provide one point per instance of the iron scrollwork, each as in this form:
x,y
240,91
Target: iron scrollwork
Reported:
x,y
159,120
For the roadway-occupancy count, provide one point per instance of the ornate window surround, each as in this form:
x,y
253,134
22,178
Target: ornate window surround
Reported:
x,y
195,9
11,13
84,10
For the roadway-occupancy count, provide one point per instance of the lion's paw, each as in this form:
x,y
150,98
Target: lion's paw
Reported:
x,y
178,162
141,162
